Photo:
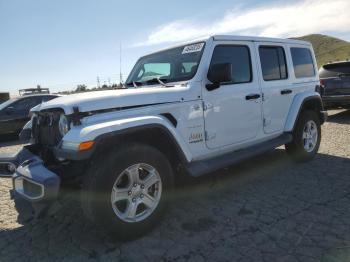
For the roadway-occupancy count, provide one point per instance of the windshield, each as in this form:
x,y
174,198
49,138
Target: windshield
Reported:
x,y
5,104
172,65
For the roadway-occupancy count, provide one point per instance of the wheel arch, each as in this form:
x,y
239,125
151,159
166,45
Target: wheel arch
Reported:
x,y
308,101
155,135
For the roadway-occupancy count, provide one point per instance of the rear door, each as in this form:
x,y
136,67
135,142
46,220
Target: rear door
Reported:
x,y
233,111
276,86
303,68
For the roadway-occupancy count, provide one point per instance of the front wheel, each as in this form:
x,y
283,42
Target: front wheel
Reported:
x,y
306,137
126,193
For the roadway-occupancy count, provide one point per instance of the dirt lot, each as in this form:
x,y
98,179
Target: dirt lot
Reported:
x,y
266,209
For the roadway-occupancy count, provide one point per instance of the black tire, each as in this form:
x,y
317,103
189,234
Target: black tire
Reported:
x,y
296,147
99,181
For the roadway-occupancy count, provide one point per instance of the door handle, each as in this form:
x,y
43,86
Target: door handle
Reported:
x,y
252,97
286,92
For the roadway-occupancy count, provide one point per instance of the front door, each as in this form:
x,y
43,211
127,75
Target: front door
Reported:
x,y
232,113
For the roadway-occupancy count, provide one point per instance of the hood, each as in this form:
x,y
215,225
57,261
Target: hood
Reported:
x,y
100,100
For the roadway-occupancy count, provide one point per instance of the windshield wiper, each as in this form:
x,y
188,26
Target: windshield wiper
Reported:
x,y
134,84
160,81
151,81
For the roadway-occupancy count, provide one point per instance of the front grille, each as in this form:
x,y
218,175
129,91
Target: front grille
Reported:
x,y
45,128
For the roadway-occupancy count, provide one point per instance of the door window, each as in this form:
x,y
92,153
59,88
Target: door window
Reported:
x,y
273,63
239,57
302,62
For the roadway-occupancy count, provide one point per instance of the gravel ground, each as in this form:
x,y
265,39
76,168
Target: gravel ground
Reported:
x,y
273,210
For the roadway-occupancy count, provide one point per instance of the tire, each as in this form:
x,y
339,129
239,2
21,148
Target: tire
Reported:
x,y
304,149
115,171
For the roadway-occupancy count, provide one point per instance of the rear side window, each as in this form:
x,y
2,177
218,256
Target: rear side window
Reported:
x,y
273,63
302,62
239,57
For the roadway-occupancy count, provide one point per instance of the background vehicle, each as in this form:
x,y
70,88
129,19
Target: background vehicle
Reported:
x,y
191,109
14,113
335,82
4,97
34,91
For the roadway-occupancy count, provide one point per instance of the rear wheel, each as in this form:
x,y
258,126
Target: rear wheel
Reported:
x,y
306,137
127,192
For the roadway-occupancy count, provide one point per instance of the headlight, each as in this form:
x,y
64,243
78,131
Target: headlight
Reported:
x,y
63,125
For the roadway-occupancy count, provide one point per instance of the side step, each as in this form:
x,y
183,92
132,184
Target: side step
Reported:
x,y
202,167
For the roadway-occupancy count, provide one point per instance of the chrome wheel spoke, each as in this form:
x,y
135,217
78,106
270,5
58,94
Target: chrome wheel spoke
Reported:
x,y
133,174
150,180
119,194
136,193
149,201
310,136
130,211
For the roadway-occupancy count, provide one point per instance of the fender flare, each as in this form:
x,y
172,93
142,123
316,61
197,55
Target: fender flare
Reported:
x,y
102,131
297,105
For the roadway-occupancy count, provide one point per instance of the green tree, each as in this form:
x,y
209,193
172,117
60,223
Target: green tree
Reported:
x,y
81,88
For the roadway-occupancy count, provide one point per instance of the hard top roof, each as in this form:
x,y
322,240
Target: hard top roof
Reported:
x,y
234,38
258,39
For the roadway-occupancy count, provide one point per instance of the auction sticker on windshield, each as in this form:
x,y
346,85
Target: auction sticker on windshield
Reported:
x,y
193,48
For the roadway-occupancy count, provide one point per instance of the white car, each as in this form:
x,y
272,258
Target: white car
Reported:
x,y
193,109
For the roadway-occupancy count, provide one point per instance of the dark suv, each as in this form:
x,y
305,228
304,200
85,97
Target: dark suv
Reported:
x,y
14,113
335,83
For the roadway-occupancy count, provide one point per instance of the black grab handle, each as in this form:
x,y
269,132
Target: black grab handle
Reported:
x,y
286,92
252,97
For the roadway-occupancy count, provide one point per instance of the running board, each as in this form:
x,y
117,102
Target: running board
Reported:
x,y
202,167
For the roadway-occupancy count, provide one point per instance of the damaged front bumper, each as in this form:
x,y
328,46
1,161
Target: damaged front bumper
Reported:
x,y
31,179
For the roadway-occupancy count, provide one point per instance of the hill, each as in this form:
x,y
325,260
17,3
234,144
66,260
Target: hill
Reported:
x,y
327,48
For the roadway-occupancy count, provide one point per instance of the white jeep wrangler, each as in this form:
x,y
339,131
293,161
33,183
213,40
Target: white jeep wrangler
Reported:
x,y
191,109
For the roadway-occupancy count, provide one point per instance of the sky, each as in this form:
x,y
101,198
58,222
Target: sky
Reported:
x,y
62,43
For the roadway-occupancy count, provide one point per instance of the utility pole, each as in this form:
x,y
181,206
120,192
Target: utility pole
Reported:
x,y
98,82
120,65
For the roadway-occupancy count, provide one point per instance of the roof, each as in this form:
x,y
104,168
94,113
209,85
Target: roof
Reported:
x,y
258,39
34,95
234,38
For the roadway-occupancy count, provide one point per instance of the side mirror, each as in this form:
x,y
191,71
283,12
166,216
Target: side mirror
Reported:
x,y
218,74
